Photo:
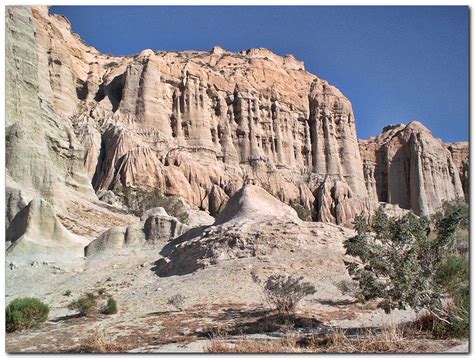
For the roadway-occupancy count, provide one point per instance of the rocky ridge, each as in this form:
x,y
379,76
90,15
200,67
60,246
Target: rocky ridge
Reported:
x,y
199,125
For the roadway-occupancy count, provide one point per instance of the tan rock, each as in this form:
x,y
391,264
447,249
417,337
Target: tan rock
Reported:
x,y
460,153
410,168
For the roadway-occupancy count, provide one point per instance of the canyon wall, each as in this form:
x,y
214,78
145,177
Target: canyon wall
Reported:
x,y
407,166
198,125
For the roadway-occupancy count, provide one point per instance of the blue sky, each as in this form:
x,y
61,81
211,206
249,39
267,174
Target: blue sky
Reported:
x,y
395,64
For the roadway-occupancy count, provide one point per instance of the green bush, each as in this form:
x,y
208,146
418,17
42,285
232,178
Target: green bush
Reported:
x,y
453,276
410,262
24,313
138,201
304,213
110,307
85,305
111,64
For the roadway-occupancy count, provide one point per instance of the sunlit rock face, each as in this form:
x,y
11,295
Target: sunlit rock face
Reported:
x,y
196,124
406,165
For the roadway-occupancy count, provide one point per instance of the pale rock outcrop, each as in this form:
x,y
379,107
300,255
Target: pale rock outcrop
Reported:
x,y
198,125
45,159
155,229
195,124
411,168
36,232
460,153
253,224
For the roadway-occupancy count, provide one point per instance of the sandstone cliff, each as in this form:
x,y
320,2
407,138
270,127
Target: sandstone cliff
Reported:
x,y
460,153
406,165
198,125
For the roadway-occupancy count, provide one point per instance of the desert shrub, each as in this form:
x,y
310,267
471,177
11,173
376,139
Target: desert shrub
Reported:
x,y
453,276
461,236
138,201
67,293
284,292
99,343
102,291
111,64
86,304
304,213
401,262
24,313
348,287
177,301
110,307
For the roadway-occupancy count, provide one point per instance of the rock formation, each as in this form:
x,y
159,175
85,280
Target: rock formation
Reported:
x,y
155,228
253,224
406,165
45,173
460,153
198,125
36,232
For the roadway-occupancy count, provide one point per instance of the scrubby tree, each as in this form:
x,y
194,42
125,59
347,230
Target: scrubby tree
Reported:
x,y
398,260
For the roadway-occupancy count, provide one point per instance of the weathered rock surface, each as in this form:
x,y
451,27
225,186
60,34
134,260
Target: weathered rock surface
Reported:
x,y
155,229
460,153
406,165
36,232
198,125
44,157
253,224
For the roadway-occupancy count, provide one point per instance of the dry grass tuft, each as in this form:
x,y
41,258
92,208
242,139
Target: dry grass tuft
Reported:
x,y
286,345
99,343
390,339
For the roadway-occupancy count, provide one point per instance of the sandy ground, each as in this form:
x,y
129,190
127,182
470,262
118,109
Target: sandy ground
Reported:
x,y
212,296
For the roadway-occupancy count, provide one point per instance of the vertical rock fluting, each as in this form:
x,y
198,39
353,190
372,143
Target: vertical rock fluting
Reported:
x,y
200,124
460,153
410,168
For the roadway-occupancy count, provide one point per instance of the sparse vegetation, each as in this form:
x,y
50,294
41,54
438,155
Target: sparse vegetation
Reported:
x,y
391,339
284,292
408,262
348,287
304,213
24,313
90,304
68,293
86,305
111,64
99,343
177,301
110,307
138,201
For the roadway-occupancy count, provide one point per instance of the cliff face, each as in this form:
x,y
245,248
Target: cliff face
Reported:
x,y
196,124
44,157
460,153
406,165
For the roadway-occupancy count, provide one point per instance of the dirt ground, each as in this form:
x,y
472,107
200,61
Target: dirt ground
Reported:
x,y
213,306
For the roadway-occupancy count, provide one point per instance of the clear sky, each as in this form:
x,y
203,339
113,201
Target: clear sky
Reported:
x,y
395,64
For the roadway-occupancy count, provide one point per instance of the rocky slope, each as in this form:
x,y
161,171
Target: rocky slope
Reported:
x,y
198,125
